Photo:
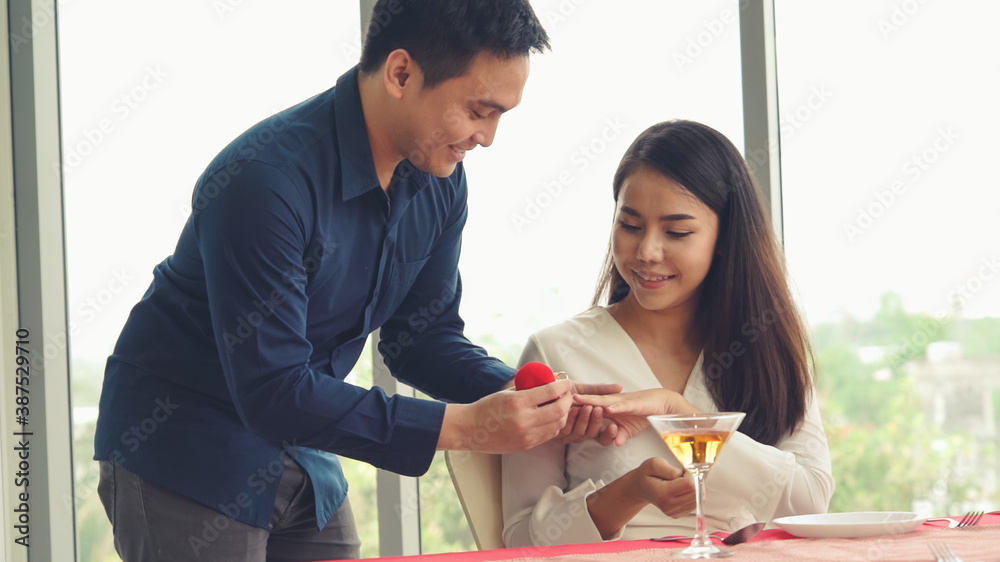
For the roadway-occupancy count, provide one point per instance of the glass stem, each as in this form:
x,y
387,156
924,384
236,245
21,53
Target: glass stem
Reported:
x,y
701,538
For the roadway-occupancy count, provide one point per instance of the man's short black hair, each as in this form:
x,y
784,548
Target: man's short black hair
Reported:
x,y
444,36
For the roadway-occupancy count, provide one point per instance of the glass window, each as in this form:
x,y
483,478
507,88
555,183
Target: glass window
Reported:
x,y
888,138
540,205
540,197
149,94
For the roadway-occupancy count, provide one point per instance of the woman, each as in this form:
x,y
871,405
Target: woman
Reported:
x,y
699,318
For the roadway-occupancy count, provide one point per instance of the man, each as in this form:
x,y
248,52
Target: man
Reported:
x,y
224,404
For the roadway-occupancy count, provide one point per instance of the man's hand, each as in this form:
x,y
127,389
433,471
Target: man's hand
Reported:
x,y
628,411
507,421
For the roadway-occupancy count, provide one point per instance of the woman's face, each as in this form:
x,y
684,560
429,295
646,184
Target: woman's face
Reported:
x,y
663,241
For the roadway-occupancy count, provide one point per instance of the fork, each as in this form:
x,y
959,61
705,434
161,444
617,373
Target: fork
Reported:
x,y
968,520
942,552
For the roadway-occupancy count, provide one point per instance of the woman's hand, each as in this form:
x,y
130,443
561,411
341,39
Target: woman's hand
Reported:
x,y
669,488
628,410
586,422
655,481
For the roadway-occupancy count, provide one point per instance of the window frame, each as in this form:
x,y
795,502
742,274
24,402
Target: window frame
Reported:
x,y
33,268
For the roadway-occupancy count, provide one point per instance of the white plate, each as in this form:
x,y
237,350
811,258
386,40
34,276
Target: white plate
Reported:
x,y
850,525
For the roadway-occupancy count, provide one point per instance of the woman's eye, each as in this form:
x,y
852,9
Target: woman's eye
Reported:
x,y
475,114
677,234
628,227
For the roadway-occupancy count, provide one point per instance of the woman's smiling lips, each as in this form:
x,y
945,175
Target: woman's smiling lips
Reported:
x,y
651,280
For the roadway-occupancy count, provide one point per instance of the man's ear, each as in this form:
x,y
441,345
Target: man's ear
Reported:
x,y
401,73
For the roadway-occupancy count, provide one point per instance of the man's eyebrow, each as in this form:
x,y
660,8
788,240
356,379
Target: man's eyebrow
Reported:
x,y
493,105
674,217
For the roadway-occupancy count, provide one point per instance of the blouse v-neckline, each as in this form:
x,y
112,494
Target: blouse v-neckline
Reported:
x,y
694,388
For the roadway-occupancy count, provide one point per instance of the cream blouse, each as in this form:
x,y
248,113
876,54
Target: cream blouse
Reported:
x,y
545,488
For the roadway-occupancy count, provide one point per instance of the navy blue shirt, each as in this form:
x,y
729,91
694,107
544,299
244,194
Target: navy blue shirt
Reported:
x,y
293,254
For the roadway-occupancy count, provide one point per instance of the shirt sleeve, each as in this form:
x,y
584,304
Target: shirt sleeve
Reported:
x,y
430,350
252,234
793,477
538,506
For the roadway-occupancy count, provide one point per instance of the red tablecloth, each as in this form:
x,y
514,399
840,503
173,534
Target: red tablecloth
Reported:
x,y
981,542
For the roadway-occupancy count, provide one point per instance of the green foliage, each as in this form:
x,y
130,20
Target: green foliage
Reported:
x,y
981,337
887,455
885,462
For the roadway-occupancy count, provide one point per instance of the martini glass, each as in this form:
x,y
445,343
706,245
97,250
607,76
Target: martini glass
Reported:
x,y
696,440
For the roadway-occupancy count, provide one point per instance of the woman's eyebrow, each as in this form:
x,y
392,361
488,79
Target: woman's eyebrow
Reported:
x,y
672,217
677,217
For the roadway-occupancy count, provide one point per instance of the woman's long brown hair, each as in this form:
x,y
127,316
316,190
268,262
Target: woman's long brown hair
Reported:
x,y
757,353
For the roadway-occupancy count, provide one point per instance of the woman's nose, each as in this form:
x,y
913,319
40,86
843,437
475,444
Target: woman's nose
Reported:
x,y
650,249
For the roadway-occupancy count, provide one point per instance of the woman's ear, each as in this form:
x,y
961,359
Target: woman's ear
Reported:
x,y
719,247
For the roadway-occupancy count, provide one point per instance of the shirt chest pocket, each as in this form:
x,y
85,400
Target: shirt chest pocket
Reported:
x,y
401,277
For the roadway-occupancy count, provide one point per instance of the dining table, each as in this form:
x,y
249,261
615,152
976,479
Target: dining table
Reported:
x,y
979,542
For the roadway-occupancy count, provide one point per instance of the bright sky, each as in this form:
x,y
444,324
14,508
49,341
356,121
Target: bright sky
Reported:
x,y
152,92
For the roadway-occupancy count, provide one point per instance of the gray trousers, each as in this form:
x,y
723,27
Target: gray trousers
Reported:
x,y
152,523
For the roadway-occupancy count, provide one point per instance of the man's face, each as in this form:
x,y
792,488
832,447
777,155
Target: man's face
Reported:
x,y
461,113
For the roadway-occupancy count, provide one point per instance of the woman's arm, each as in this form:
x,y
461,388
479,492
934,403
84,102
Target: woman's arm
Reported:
x,y
655,481
793,477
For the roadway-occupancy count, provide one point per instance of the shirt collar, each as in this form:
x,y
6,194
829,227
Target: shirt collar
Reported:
x,y
357,165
